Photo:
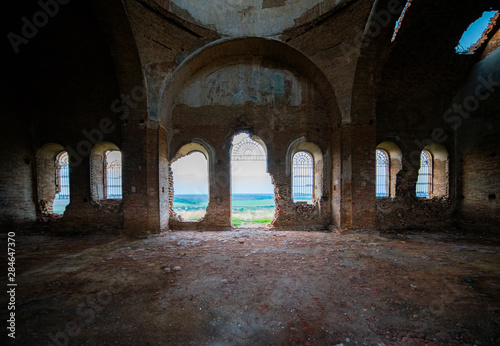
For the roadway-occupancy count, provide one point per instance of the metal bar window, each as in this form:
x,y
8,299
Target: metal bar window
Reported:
x,y
62,178
382,174
113,174
424,183
303,177
248,150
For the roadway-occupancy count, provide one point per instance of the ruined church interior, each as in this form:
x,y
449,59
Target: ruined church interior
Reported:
x,y
375,125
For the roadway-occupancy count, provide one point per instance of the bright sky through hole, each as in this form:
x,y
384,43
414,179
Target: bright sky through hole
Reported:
x,y
191,175
249,177
475,30
114,155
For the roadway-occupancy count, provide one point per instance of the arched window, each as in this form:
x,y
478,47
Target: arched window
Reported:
x,y
62,197
303,177
424,183
52,171
62,176
113,174
382,174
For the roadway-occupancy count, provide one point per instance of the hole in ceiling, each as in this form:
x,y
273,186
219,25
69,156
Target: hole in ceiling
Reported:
x,y
400,20
475,34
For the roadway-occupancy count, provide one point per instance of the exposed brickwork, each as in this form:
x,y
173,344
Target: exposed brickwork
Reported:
x,y
481,189
17,194
279,122
86,65
494,42
416,91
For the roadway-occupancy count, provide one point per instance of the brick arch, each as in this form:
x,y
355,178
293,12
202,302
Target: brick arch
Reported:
x,y
196,145
139,216
97,168
225,50
319,166
358,183
200,145
440,174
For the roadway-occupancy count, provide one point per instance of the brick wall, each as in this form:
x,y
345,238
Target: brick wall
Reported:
x,y
64,84
477,149
69,78
480,177
277,116
421,80
17,206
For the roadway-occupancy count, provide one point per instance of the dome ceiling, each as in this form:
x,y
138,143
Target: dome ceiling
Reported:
x,y
249,17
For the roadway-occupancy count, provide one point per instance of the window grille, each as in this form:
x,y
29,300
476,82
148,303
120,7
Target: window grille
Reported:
x,y
248,150
62,177
113,175
303,177
382,174
424,183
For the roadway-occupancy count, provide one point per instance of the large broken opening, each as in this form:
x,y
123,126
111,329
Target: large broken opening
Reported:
x,y
252,191
190,177
476,33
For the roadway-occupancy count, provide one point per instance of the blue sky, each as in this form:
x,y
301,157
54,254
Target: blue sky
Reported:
x,y
476,29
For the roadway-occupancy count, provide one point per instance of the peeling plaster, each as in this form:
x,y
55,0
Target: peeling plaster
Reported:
x,y
238,84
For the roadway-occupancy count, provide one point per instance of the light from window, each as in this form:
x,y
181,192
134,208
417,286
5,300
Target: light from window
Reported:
x,y
424,183
190,175
382,174
113,174
62,176
303,177
62,197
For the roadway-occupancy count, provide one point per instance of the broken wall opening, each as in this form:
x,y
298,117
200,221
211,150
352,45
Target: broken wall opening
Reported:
x,y
252,191
278,95
477,33
190,177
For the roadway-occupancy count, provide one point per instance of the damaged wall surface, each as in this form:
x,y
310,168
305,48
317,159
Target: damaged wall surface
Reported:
x,y
149,77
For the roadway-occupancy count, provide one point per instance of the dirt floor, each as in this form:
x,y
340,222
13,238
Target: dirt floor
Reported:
x,y
258,287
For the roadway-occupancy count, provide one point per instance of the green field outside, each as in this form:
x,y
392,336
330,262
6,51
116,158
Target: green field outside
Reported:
x,y
247,209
